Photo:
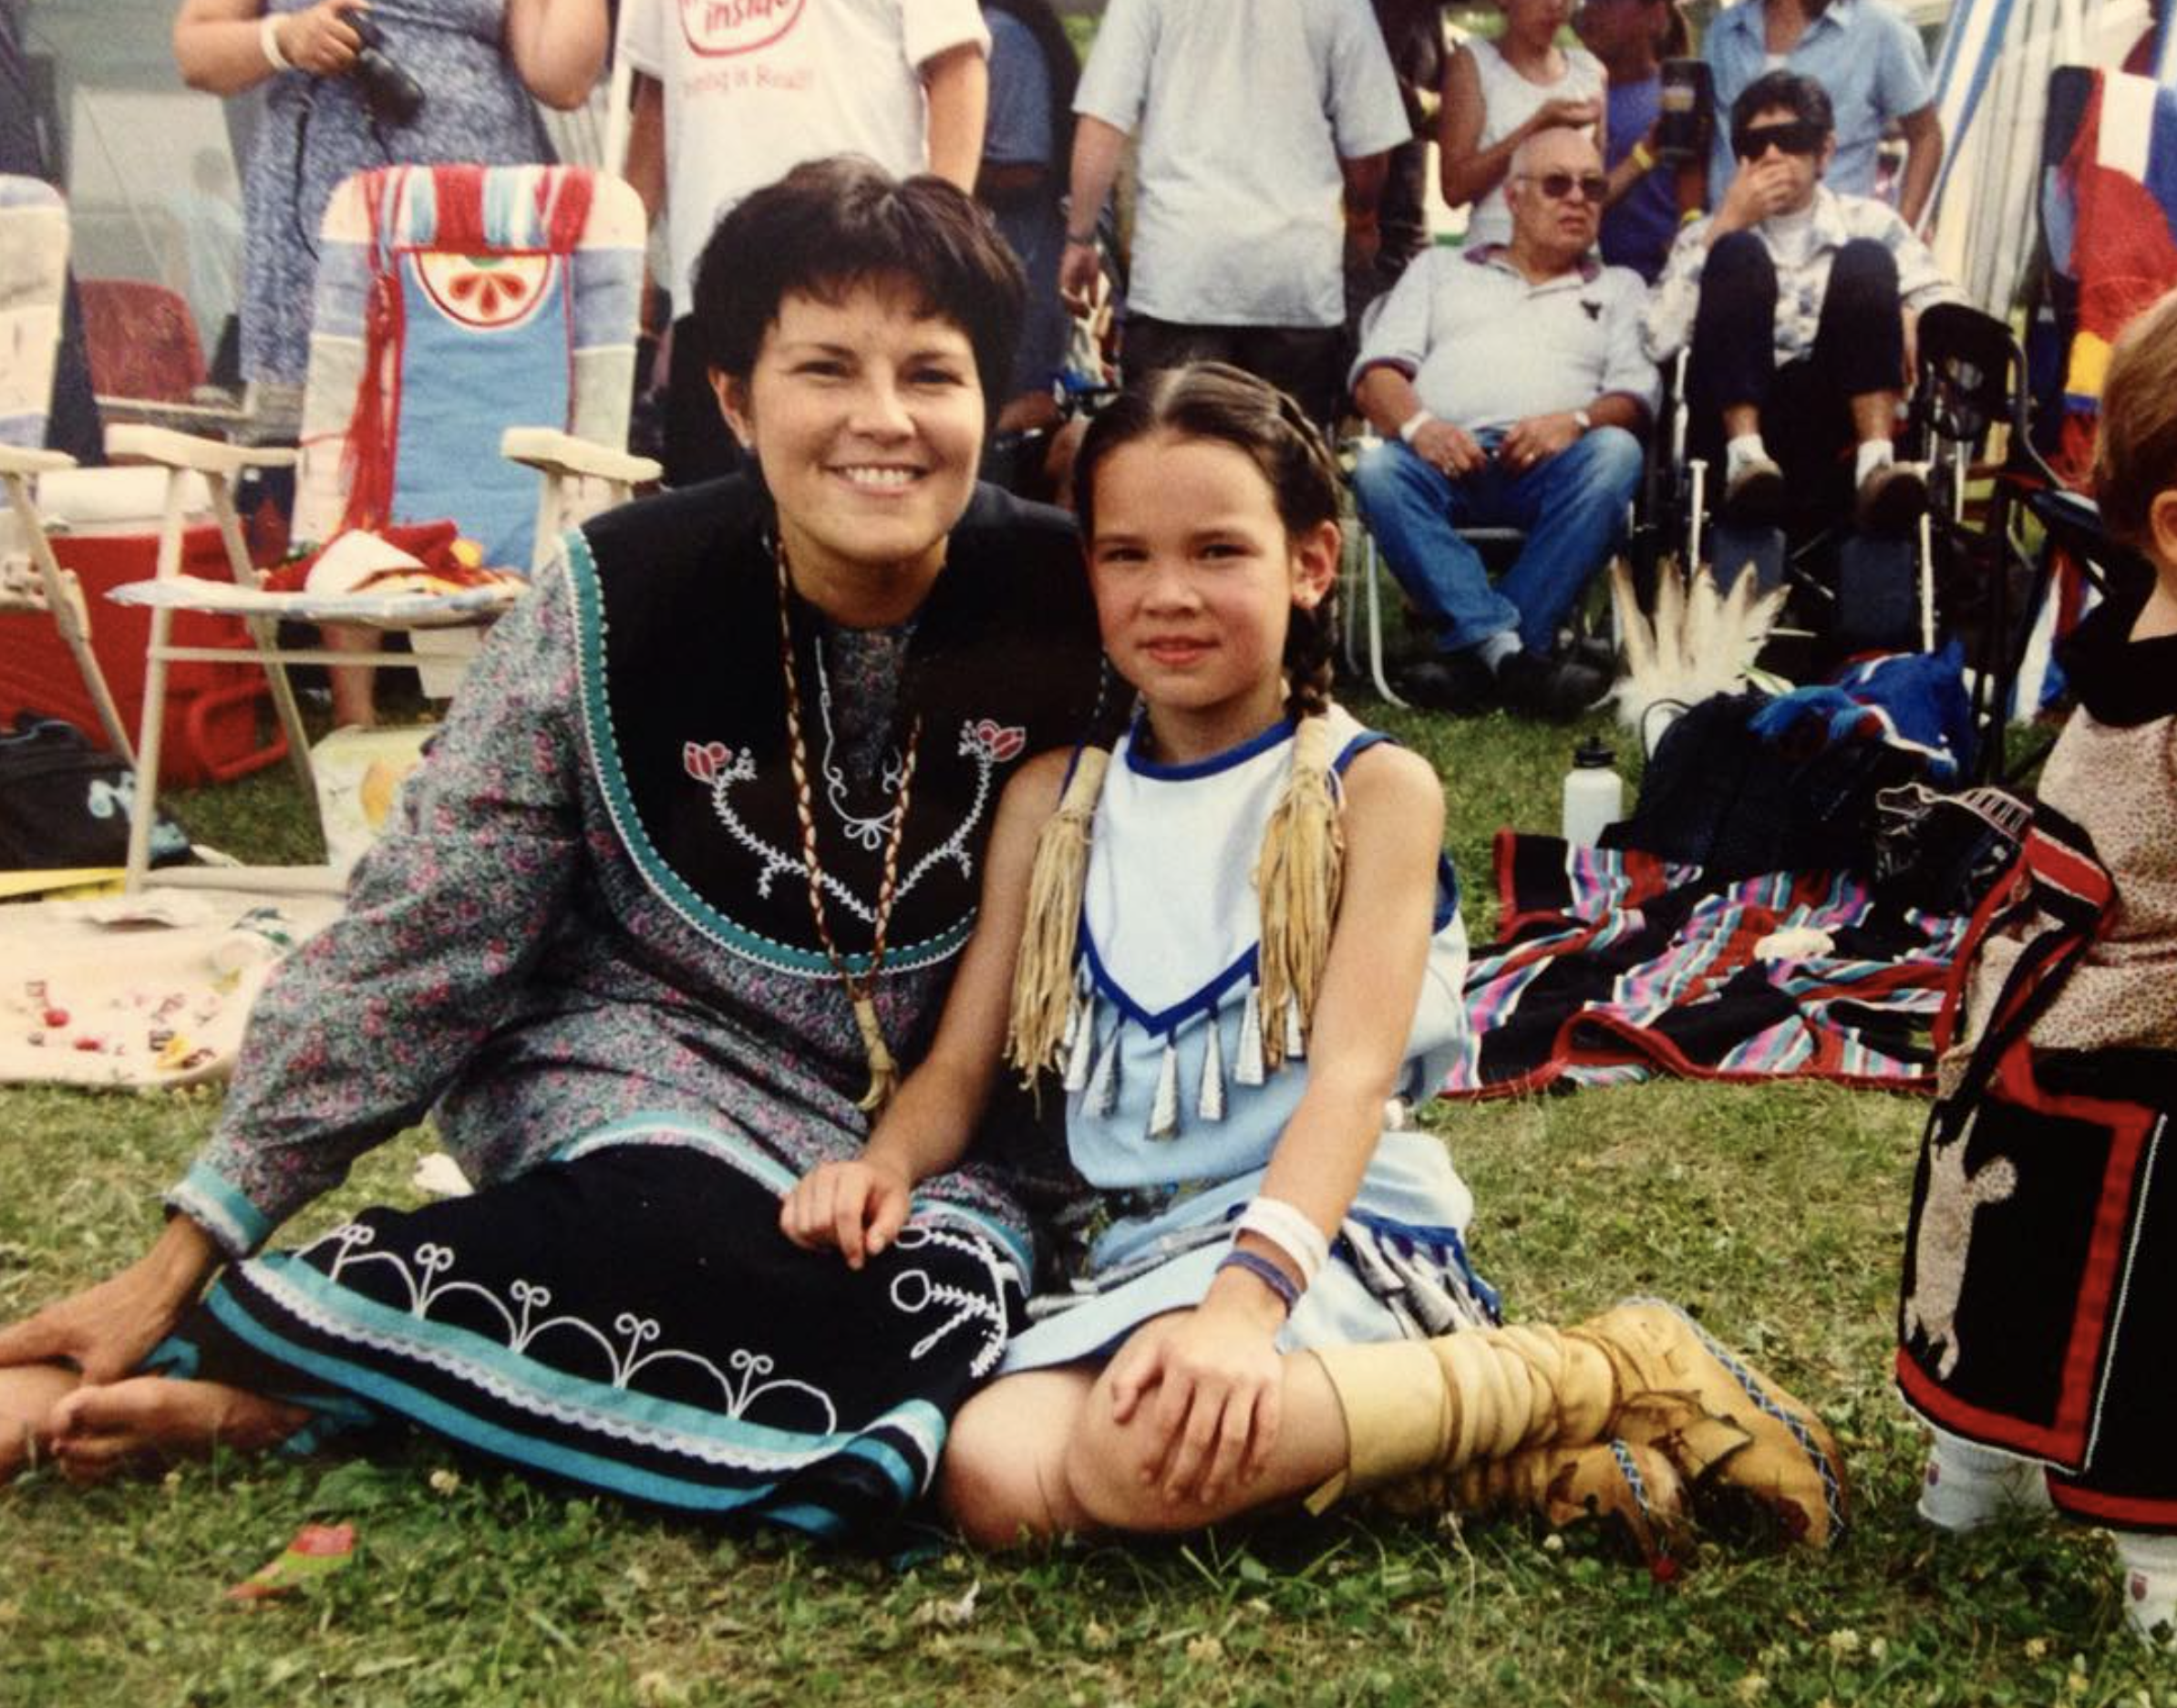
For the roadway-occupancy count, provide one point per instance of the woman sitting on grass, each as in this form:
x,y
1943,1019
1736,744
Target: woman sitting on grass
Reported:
x,y
1275,1301
695,854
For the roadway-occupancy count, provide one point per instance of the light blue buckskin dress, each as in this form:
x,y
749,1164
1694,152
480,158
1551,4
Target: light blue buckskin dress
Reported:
x,y
1169,1113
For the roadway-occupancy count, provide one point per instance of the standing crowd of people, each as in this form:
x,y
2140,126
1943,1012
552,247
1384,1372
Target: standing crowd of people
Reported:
x,y
808,818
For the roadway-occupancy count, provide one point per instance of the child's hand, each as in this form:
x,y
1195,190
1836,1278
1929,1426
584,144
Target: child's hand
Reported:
x,y
1219,1383
856,1206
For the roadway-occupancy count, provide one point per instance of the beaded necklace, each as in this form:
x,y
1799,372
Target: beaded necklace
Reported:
x,y
884,1072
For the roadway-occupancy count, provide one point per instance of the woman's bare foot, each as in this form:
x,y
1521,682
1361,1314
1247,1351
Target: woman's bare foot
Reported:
x,y
28,1393
99,1431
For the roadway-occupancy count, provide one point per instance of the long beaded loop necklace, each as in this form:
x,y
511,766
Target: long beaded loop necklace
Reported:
x,y
884,1072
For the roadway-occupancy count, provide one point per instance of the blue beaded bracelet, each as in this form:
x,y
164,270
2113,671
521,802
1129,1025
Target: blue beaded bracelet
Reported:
x,y
1265,1271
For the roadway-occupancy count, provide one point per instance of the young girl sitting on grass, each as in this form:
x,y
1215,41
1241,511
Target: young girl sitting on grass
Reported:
x,y
2041,1286
1234,940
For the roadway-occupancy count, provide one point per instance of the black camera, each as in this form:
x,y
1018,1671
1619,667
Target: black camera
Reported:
x,y
390,93
1686,121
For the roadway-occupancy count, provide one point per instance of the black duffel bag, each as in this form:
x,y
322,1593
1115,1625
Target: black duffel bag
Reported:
x,y
64,803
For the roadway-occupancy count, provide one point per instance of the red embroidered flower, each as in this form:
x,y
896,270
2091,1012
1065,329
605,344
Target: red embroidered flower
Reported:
x,y
704,760
995,742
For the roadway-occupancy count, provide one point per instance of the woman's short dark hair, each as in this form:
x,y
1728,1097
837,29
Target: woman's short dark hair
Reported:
x,y
1806,98
831,226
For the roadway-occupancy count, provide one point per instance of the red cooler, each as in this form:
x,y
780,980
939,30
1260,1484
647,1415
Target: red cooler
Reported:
x,y
212,722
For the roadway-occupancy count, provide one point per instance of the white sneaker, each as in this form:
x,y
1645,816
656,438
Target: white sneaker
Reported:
x,y
2149,1564
1965,1486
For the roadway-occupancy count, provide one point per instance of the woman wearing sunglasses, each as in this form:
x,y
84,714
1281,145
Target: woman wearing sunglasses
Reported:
x,y
1798,302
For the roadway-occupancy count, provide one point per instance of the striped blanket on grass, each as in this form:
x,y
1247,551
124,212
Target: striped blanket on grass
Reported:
x,y
1614,965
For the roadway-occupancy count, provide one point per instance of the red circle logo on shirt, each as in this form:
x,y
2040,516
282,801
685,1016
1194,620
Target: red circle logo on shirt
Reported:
x,y
715,28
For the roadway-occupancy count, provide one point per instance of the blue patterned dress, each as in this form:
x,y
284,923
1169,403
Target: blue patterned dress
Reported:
x,y
587,946
317,131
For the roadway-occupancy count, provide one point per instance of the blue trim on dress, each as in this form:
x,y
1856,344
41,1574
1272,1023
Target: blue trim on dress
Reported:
x,y
1447,893
619,801
1280,731
477,1355
1360,744
1166,1021
215,1203
450,1420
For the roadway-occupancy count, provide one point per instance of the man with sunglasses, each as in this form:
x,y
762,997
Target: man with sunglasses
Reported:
x,y
1509,385
1867,57
1797,303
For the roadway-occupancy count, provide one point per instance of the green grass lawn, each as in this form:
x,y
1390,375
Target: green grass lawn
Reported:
x,y
1774,1213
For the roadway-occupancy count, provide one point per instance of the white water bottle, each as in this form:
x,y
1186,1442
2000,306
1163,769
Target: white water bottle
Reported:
x,y
1593,795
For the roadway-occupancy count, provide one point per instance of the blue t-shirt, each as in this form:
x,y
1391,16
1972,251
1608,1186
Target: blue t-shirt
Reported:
x,y
1638,230
1865,53
1019,132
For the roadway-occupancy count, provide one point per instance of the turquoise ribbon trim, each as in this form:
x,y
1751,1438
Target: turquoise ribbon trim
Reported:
x,y
605,758
472,1356
218,1205
446,1419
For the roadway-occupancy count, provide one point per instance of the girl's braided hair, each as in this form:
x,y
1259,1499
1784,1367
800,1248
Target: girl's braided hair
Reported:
x,y
1215,401
1300,866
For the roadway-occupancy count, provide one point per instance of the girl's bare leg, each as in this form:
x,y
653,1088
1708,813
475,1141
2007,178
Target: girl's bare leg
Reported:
x,y
1113,1470
99,1431
1039,1455
1002,1477
28,1393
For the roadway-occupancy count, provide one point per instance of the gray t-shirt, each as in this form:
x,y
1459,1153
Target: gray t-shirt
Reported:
x,y
1244,108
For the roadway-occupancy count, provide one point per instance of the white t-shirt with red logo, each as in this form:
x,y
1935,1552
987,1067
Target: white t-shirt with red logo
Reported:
x,y
754,87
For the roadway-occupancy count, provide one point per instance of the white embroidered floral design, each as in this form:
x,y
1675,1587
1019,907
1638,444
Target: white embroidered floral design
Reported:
x,y
742,1386
719,770
1954,1197
914,1292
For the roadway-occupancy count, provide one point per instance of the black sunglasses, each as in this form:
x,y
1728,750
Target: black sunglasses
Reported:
x,y
1557,185
1800,136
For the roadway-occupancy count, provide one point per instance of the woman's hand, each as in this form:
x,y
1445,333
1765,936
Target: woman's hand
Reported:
x,y
105,1331
1218,1385
1563,112
320,41
856,1206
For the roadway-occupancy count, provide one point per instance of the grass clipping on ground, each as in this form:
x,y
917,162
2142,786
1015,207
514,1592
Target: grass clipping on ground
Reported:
x,y
1774,1213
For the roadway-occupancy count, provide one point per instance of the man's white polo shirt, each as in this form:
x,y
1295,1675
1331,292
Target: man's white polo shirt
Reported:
x,y
1485,347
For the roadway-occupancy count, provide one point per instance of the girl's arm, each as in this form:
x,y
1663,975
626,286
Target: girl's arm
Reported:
x,y
1214,1371
1394,821
557,48
859,1206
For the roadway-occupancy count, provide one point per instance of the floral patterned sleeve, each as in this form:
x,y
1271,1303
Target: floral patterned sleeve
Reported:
x,y
361,1029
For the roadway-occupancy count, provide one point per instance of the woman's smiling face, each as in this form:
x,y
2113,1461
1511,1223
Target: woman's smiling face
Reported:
x,y
866,416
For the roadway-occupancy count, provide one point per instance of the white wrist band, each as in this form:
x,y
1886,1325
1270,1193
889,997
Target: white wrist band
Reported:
x,y
1582,420
1413,424
268,38
1284,1227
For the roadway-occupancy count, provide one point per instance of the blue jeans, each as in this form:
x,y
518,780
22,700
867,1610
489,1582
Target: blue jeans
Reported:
x,y
1572,507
